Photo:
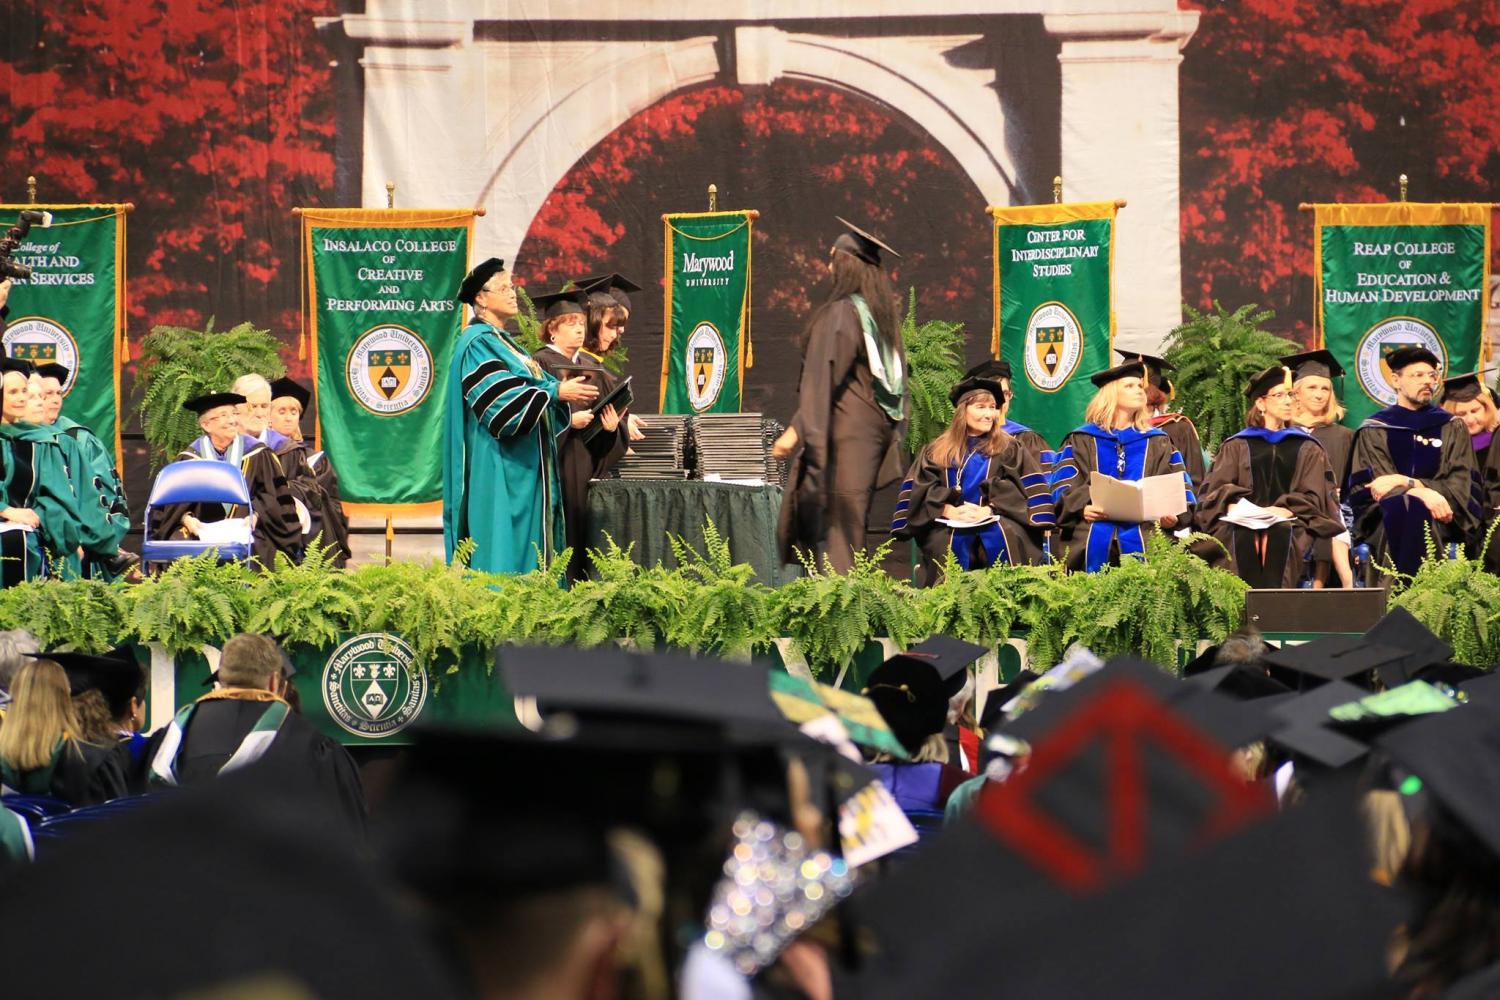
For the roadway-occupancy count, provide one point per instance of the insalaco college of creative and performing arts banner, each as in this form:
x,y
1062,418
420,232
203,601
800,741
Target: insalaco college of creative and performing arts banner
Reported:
x,y
1390,275
1054,315
383,314
72,309
707,343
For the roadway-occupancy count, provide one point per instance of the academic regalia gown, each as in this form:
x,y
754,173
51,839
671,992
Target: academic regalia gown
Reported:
x,y
101,499
1184,437
500,432
848,445
579,461
1124,454
40,482
1428,444
1286,468
313,483
1010,483
1034,443
1487,459
277,528
80,774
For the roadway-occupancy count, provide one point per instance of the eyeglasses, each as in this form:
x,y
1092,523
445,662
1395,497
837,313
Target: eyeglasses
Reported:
x,y
1282,394
507,287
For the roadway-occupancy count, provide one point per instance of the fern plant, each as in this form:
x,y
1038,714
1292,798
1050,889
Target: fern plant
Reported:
x,y
935,363
1215,354
1457,599
622,601
83,615
435,607
528,608
980,606
311,602
194,602
830,617
727,612
178,363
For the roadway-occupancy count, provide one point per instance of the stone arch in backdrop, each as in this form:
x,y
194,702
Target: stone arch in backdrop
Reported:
x,y
490,102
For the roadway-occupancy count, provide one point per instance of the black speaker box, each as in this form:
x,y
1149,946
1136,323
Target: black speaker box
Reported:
x,y
1307,610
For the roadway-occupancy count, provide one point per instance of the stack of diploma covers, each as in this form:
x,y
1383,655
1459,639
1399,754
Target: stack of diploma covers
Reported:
x,y
661,455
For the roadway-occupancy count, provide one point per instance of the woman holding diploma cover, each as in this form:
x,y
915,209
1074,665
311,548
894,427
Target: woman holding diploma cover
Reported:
x,y
1280,468
1118,441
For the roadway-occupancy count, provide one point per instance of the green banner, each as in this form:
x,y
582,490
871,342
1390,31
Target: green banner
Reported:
x,y
72,309
1399,274
706,348
1054,315
382,287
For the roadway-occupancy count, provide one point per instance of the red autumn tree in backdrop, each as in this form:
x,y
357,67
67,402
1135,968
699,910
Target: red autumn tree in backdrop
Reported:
x,y
214,118
1293,102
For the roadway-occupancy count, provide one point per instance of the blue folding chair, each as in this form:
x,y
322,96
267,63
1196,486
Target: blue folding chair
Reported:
x,y
194,481
68,824
35,808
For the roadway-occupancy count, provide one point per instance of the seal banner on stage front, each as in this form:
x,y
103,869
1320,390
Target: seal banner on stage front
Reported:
x,y
383,316
1054,315
1385,276
71,310
707,344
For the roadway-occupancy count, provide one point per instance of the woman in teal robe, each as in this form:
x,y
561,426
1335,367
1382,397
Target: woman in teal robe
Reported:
x,y
503,418
35,484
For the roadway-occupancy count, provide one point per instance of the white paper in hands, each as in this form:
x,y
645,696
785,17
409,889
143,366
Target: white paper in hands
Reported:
x,y
230,531
1137,501
14,526
1253,516
954,523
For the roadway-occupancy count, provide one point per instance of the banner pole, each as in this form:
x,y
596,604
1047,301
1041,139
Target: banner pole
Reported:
x,y
390,194
1057,190
713,197
31,189
1402,182
390,537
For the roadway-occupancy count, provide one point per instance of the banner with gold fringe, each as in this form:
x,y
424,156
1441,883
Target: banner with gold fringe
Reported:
x,y
1385,276
706,344
381,315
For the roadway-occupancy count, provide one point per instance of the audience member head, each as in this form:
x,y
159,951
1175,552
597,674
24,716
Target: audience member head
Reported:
x,y
40,715
256,409
95,722
1454,879
14,645
252,661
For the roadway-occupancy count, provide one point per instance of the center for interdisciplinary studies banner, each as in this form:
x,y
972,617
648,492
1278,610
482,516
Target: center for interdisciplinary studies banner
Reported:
x,y
1054,307
383,316
1386,276
706,345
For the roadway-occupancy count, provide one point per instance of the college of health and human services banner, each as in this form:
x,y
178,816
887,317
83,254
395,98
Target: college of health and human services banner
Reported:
x,y
383,315
1054,315
1389,275
72,309
706,346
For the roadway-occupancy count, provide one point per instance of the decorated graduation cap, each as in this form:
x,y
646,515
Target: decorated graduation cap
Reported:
x,y
286,388
563,303
212,401
53,370
1309,364
1456,758
1411,354
1130,369
865,246
115,675
1264,382
976,383
8,364
1462,388
616,286
476,279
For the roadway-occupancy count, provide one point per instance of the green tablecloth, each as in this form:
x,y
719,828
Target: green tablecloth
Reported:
x,y
644,511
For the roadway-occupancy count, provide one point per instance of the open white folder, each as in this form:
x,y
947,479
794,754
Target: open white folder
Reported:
x,y
1253,516
230,531
1149,499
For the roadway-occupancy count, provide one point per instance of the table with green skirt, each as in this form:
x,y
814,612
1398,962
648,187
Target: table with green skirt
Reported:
x,y
646,511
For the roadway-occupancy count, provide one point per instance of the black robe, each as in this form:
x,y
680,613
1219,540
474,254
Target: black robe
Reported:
x,y
1034,443
1091,545
1184,437
579,461
277,527
1271,469
1430,445
81,774
848,446
311,480
20,557
1011,483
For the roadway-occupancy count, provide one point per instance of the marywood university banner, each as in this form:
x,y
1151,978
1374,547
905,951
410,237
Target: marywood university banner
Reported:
x,y
1054,310
72,309
706,345
1403,273
383,319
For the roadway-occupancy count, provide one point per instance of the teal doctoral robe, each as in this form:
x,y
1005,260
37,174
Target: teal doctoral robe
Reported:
x,y
103,510
52,498
500,431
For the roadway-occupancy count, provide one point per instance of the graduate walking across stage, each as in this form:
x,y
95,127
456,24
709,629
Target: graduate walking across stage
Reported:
x,y
500,431
1277,465
1413,470
847,436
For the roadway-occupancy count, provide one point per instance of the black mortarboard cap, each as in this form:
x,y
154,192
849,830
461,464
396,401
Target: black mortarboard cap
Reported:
x,y
994,368
951,656
476,278
996,700
1454,675
1265,381
1320,363
116,675
1462,388
1457,757
1400,629
912,698
1411,354
1156,368
1331,658
616,286
1130,369
53,370
554,304
976,383
212,400
286,387
9,364
1241,681
865,246
1304,725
